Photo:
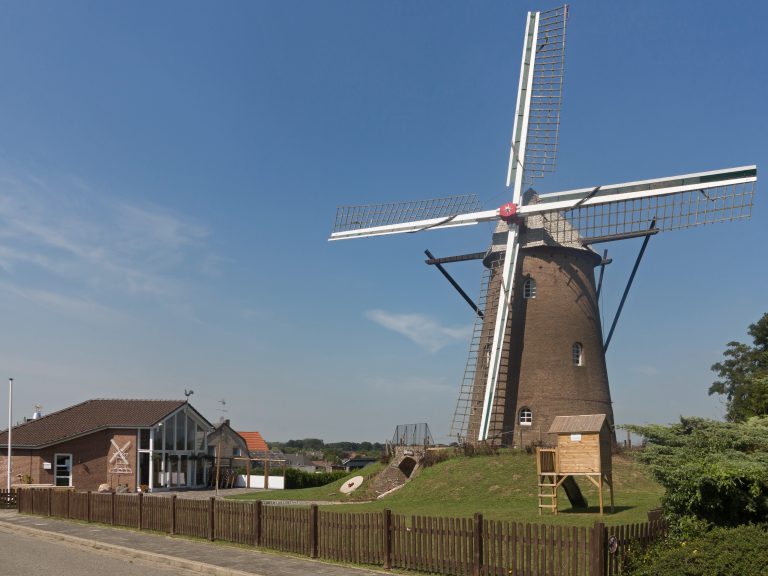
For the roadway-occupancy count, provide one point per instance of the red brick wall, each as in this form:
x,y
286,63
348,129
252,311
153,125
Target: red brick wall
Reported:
x,y
90,460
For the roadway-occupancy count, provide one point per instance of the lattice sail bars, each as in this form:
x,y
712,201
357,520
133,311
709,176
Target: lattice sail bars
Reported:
x,y
625,210
399,217
546,95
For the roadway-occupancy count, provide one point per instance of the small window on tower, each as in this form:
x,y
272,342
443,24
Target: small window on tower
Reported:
x,y
526,416
577,354
529,289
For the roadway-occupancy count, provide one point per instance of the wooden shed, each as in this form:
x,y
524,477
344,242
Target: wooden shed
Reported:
x,y
584,445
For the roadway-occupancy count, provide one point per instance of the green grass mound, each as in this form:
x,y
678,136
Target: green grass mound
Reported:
x,y
501,487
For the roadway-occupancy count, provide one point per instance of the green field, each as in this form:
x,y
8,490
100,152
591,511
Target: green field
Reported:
x,y
501,487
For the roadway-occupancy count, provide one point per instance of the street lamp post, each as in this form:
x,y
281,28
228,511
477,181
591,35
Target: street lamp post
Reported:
x,y
10,425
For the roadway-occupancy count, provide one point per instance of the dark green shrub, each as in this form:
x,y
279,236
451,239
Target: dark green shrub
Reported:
x,y
739,551
480,449
717,471
295,478
433,457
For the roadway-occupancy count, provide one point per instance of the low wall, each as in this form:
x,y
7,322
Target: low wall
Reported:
x,y
275,482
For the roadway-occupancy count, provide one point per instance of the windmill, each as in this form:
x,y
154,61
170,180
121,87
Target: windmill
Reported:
x,y
537,350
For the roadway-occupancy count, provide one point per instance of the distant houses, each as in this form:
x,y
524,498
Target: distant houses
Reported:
x,y
357,462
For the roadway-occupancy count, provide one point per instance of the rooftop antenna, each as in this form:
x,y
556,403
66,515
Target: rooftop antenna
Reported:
x,y
223,410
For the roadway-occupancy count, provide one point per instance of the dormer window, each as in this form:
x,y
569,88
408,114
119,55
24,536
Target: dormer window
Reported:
x,y
529,289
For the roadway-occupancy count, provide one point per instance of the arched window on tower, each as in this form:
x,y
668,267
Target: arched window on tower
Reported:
x,y
529,289
577,354
525,416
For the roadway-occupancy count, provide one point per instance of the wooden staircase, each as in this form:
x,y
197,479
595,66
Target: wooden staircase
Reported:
x,y
546,469
550,480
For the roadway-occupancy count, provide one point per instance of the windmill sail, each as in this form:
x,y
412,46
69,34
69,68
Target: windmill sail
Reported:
x,y
620,211
401,217
546,95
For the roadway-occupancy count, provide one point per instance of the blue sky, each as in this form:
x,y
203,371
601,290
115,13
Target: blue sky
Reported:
x,y
169,173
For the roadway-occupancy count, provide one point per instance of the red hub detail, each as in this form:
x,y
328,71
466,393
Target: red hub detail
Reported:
x,y
508,212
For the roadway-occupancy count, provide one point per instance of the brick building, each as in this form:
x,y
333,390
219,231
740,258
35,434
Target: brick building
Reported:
x,y
154,444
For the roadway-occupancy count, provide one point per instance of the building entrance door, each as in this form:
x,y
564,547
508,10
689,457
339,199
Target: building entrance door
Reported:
x,y
63,470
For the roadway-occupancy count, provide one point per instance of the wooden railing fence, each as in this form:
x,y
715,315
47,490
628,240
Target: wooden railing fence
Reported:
x,y
452,546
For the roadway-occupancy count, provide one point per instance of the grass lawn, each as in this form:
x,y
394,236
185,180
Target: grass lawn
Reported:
x,y
502,487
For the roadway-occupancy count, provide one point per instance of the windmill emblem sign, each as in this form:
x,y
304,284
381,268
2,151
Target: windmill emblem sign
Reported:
x,y
537,350
119,460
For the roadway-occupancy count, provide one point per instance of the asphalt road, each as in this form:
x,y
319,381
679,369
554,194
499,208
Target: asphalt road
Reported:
x,y
22,555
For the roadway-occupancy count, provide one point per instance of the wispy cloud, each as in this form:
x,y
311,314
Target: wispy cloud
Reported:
x,y
427,332
645,370
68,244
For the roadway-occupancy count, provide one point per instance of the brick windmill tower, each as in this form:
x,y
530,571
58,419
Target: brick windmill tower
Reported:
x,y
537,350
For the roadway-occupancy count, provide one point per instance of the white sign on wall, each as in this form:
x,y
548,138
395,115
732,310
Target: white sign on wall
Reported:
x,y
575,437
46,465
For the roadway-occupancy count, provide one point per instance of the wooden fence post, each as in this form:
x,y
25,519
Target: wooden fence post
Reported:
x,y
50,499
173,514
112,506
69,497
598,550
141,510
257,523
477,545
387,538
88,505
313,531
31,500
211,518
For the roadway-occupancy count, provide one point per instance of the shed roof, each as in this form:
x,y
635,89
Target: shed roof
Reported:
x,y
254,441
577,424
87,417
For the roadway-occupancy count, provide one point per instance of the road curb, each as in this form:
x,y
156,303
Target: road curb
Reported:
x,y
172,561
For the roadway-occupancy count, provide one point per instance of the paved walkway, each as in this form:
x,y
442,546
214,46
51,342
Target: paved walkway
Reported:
x,y
203,557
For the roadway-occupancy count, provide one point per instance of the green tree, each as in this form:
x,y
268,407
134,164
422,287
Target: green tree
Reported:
x,y
715,471
743,375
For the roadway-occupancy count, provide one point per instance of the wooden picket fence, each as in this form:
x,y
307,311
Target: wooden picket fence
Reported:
x,y
452,546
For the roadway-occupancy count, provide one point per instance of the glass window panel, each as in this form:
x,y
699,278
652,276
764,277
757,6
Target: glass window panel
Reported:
x,y
183,471
576,354
157,470
190,434
180,424
144,439
157,434
200,437
168,427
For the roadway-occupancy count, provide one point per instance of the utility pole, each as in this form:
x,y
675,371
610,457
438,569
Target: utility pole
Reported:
x,y
10,426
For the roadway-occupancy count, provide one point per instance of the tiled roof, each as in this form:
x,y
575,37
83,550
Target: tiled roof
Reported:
x,y
89,416
577,424
254,441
